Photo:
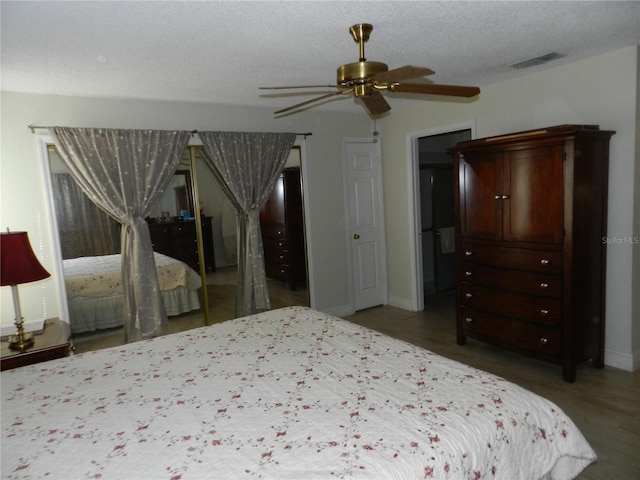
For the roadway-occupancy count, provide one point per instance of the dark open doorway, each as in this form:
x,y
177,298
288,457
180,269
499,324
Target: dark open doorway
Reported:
x,y
436,211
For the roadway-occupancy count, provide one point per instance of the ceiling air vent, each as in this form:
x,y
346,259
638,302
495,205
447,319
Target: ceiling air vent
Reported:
x,y
532,62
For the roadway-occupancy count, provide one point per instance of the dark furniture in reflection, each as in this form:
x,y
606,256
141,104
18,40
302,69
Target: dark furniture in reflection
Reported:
x,y
178,239
282,226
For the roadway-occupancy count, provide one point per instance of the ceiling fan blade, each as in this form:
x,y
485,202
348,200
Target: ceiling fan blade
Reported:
x,y
299,86
307,102
402,73
433,89
375,103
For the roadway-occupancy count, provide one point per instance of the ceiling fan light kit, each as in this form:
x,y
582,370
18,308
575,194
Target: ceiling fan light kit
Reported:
x,y
366,79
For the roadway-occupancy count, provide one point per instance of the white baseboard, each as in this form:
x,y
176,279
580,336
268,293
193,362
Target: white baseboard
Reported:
x,y
624,361
402,303
338,311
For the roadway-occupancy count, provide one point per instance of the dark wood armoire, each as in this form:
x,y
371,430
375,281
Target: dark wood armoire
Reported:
x,y
282,226
531,216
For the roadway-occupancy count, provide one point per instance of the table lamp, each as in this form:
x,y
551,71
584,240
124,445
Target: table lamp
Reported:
x,y
18,264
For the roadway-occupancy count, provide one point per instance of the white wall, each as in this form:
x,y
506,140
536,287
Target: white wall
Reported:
x,y
602,90
23,202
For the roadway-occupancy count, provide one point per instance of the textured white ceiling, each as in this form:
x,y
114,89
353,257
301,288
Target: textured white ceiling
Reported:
x,y
222,51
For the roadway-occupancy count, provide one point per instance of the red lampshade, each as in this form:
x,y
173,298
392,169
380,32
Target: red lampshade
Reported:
x,y
18,263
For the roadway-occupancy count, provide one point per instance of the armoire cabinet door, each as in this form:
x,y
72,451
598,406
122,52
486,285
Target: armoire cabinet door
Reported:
x,y
532,195
480,177
273,210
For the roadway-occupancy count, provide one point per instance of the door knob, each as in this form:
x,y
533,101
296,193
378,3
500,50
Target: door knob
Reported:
x,y
356,236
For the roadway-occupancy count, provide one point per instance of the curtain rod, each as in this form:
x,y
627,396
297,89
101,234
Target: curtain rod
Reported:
x,y
305,135
193,132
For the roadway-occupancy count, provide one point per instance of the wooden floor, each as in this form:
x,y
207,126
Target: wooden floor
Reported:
x,y
604,403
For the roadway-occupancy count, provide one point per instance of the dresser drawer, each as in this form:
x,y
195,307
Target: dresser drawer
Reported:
x,y
185,243
544,284
276,256
516,258
162,245
531,308
161,238
159,229
191,258
529,336
277,271
276,243
273,230
183,230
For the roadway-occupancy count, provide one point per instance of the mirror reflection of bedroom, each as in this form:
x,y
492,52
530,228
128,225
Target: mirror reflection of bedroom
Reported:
x,y
90,243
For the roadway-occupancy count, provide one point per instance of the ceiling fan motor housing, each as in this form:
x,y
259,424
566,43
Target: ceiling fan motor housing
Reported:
x,y
358,75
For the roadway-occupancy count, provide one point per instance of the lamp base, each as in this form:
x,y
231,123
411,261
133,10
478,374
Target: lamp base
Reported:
x,y
21,341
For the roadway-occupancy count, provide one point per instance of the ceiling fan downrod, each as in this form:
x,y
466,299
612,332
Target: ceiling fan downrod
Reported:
x,y
360,33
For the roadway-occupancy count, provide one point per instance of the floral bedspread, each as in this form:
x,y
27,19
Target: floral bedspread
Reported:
x,y
287,394
102,275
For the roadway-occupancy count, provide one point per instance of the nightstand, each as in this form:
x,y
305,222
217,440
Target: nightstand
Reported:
x,y
53,341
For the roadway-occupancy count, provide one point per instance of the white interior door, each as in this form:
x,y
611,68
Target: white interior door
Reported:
x,y
366,226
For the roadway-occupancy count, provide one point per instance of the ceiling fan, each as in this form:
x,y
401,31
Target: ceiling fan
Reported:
x,y
366,79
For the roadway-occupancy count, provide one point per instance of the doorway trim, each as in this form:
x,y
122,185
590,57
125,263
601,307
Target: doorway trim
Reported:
x,y
413,176
43,141
301,143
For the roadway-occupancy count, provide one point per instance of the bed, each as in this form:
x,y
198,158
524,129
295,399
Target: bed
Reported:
x,y
286,394
94,290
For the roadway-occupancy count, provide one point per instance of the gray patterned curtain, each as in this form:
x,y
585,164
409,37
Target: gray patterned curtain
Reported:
x,y
84,229
125,173
247,166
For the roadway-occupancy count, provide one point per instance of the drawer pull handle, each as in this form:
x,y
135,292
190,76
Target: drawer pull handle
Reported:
x,y
468,319
544,341
497,197
468,274
544,285
468,253
468,295
544,261
544,312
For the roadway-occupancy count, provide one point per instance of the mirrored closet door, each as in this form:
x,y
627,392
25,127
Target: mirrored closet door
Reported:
x,y
192,223
89,242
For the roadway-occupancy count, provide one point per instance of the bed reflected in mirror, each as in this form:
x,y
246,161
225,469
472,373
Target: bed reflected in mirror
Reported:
x,y
89,242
